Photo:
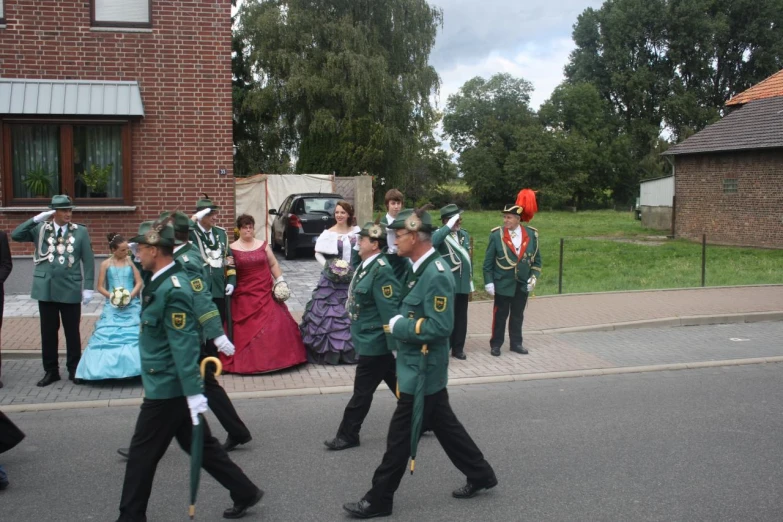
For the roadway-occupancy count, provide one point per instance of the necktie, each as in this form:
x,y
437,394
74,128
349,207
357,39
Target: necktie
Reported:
x,y
513,234
60,233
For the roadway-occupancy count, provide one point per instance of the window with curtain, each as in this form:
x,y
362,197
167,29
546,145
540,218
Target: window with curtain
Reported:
x,y
89,162
2,12
121,13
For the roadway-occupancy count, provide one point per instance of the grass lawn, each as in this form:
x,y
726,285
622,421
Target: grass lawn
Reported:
x,y
607,250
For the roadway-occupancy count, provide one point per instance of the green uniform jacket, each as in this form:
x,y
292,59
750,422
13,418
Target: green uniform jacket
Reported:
x,y
503,267
213,257
52,280
189,259
373,299
400,265
459,263
427,310
169,340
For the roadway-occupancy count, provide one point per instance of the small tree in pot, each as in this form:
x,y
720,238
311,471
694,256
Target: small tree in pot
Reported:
x,y
97,179
38,182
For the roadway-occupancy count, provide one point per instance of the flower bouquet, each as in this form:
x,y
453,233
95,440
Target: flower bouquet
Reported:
x,y
119,297
281,292
338,271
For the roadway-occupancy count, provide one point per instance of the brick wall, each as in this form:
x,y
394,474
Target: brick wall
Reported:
x,y
183,67
753,216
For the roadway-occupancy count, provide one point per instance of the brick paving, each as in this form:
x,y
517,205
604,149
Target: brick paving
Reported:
x,y
549,351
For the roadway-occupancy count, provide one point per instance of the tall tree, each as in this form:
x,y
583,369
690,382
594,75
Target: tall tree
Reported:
x,y
349,80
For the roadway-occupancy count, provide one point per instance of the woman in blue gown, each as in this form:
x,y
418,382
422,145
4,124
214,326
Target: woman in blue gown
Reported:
x,y
113,350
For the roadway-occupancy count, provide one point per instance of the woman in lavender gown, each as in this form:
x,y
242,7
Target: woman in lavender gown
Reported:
x,y
326,327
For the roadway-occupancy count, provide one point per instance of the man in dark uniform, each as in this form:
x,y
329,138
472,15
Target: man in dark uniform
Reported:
x,y
373,298
512,265
425,318
173,390
62,251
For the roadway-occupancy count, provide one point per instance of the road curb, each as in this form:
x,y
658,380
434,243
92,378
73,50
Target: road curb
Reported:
x,y
464,381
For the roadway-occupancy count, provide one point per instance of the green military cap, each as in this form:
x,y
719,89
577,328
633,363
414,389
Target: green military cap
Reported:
x,y
374,230
61,201
205,202
513,209
182,223
449,210
414,220
156,233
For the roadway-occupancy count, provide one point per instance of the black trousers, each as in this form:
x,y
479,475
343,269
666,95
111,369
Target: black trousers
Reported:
x,y
161,420
370,371
51,313
460,330
515,306
217,397
2,308
451,435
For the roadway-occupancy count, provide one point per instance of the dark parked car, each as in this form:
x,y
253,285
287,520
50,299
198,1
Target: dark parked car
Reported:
x,y
301,219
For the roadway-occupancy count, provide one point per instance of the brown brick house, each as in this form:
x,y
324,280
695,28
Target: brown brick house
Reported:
x,y
138,88
729,176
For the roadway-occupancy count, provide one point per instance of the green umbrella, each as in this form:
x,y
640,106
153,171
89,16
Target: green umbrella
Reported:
x,y
418,405
197,441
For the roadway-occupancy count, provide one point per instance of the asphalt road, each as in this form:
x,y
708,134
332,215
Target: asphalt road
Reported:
x,y
686,445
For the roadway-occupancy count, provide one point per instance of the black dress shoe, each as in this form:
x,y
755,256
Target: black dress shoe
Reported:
x,y
338,443
1,384
124,452
240,508
470,489
49,378
460,355
519,349
72,377
363,509
231,443
495,350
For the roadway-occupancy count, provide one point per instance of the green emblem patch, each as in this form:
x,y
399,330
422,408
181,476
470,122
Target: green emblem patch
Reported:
x,y
440,303
197,285
178,320
387,291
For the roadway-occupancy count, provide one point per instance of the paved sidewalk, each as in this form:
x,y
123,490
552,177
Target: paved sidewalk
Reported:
x,y
547,319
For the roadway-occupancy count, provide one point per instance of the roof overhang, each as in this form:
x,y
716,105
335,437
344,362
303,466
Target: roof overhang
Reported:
x,y
22,97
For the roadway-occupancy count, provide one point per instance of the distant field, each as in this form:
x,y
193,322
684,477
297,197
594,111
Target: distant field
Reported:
x,y
607,250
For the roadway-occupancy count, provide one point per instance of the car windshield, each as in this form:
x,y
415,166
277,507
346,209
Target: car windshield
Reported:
x,y
320,205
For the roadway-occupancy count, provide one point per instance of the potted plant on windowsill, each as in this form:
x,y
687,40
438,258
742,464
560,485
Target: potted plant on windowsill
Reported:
x,y
38,182
97,179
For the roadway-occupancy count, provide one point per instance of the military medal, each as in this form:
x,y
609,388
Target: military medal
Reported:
x,y
51,258
71,260
51,240
70,249
59,240
50,249
61,249
71,240
61,260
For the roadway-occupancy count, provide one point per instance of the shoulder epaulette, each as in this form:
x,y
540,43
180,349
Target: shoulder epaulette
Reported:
x,y
532,228
175,282
381,262
494,229
185,258
439,265
219,228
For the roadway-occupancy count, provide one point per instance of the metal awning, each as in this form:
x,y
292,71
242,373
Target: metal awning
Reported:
x,y
70,98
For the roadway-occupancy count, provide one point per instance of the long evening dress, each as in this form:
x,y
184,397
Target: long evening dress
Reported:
x,y
266,337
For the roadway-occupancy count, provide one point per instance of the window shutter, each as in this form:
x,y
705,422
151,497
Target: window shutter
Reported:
x,y
125,11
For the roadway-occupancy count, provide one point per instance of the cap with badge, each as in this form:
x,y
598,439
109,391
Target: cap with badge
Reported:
x,y
450,210
61,201
205,202
181,222
375,230
156,233
414,220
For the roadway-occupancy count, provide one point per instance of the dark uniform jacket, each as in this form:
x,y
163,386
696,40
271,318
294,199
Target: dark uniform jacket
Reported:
x,y
189,259
457,260
504,267
213,257
374,296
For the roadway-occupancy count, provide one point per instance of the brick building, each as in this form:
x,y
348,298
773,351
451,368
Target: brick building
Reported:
x,y
729,177
138,89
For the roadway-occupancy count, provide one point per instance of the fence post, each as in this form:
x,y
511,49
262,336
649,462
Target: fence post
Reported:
x,y
703,259
560,273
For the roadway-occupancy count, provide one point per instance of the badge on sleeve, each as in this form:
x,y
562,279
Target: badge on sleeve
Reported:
x,y
387,291
197,285
440,303
178,320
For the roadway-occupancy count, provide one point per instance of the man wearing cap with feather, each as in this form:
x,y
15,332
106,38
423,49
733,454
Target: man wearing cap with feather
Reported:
x,y
512,265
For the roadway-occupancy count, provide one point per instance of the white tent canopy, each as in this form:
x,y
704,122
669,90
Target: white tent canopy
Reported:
x,y
257,194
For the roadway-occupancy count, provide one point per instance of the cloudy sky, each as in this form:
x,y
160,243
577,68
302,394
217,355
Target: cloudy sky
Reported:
x,y
529,39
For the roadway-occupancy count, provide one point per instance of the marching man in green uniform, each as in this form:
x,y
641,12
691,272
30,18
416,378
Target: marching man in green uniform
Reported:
x,y
453,244
373,298
425,320
512,265
62,251
173,390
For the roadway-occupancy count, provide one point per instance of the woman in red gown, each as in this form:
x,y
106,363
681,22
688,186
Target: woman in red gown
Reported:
x,y
266,337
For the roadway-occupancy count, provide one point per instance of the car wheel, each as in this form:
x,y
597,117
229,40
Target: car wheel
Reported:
x,y
290,251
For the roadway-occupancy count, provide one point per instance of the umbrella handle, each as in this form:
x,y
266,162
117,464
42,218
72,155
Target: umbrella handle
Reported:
x,y
216,361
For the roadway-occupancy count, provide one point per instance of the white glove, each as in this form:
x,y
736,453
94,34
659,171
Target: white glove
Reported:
x,y
224,346
196,404
281,278
87,297
453,221
229,289
43,215
201,213
490,289
531,283
392,321
134,248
